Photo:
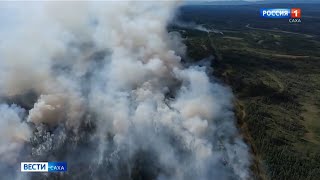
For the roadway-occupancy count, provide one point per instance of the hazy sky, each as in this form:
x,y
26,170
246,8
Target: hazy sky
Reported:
x,y
250,0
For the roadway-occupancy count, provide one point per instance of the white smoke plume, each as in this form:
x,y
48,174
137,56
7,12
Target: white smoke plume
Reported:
x,y
193,25
101,86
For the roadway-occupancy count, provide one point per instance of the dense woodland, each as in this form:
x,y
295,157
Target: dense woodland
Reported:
x,y
275,77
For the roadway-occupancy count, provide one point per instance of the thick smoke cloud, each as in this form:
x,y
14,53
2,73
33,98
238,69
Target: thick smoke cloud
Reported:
x,y
101,85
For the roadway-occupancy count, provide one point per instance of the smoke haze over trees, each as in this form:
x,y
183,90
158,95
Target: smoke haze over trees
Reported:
x,y
101,86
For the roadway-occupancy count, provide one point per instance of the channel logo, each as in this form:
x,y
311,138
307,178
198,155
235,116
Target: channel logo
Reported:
x,y
44,167
293,13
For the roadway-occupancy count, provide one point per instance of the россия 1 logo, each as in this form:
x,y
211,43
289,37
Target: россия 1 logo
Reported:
x,y
293,14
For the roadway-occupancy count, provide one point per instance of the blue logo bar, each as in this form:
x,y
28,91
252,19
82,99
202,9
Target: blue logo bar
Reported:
x,y
44,166
57,167
275,13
